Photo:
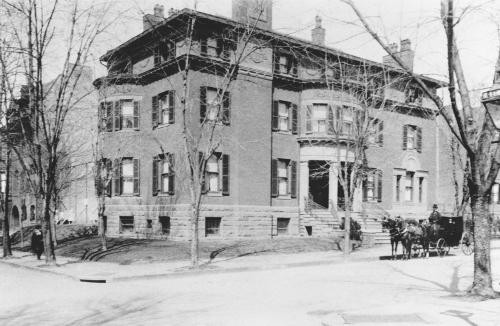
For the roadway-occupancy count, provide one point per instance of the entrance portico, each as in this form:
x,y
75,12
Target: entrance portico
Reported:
x,y
319,164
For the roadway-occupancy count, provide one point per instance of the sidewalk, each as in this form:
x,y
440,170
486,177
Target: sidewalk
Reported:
x,y
113,272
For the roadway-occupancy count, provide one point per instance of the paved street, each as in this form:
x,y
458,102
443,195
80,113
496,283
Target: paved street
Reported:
x,y
364,292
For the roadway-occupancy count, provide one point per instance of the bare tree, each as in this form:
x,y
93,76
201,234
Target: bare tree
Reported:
x,y
474,131
40,123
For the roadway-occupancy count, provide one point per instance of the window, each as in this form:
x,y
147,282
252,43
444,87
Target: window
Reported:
x,y
494,194
420,189
149,223
163,52
372,186
285,64
412,138
413,95
210,105
347,120
127,114
376,132
409,186
215,47
126,177
32,213
165,224
3,181
284,116
319,118
398,188
212,226
213,173
163,174
118,115
106,123
217,174
283,178
282,225
126,224
103,180
163,108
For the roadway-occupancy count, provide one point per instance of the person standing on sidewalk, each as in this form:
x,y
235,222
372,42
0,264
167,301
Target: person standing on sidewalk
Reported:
x,y
37,242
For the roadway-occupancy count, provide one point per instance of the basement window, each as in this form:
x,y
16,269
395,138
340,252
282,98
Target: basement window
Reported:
x,y
126,224
212,226
165,224
282,225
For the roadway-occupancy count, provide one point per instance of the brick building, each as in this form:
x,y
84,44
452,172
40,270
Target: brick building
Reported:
x,y
276,132
76,202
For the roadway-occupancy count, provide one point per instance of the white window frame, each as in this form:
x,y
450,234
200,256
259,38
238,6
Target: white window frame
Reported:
x,y
284,177
129,179
319,123
411,134
284,116
214,175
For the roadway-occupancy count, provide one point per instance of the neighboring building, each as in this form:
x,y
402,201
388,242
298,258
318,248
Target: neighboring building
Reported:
x,y
276,134
76,202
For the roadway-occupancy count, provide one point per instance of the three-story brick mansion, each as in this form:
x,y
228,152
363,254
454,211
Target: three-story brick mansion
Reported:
x,y
275,121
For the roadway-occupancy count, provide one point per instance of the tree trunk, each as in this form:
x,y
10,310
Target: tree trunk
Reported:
x,y
347,229
102,229
194,237
482,284
50,257
7,250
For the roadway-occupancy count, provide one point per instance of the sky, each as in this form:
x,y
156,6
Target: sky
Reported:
x,y
394,20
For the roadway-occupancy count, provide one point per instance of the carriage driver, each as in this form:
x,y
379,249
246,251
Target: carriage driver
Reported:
x,y
435,216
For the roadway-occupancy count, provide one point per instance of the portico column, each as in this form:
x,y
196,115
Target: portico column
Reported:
x,y
303,184
332,186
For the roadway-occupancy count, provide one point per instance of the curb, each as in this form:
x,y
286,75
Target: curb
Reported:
x,y
38,269
201,271
187,273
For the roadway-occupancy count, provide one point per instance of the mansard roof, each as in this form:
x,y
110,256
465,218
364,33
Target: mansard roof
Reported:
x,y
179,18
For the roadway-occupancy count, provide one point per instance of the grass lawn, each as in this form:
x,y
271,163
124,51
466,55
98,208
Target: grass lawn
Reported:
x,y
128,251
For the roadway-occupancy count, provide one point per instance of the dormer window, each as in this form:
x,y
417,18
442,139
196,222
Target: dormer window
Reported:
x,y
285,64
214,47
163,52
414,95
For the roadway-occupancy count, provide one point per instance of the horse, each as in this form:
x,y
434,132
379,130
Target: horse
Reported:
x,y
417,234
395,227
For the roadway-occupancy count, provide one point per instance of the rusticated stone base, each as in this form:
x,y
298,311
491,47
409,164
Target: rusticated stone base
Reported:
x,y
235,221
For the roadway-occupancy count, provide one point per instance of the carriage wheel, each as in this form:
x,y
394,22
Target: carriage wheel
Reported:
x,y
467,244
442,247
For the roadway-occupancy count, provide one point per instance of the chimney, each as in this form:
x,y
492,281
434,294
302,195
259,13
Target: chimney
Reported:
x,y
318,32
253,12
151,20
405,53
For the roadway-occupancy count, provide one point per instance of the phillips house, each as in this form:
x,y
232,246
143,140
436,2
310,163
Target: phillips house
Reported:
x,y
275,121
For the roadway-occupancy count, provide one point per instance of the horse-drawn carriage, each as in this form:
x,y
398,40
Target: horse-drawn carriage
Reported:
x,y
418,238
439,237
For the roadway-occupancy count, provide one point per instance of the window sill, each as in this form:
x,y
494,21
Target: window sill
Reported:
x,y
284,197
163,125
283,132
127,196
165,194
214,194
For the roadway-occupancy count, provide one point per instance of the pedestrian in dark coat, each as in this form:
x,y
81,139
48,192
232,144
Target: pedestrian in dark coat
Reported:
x,y
37,242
